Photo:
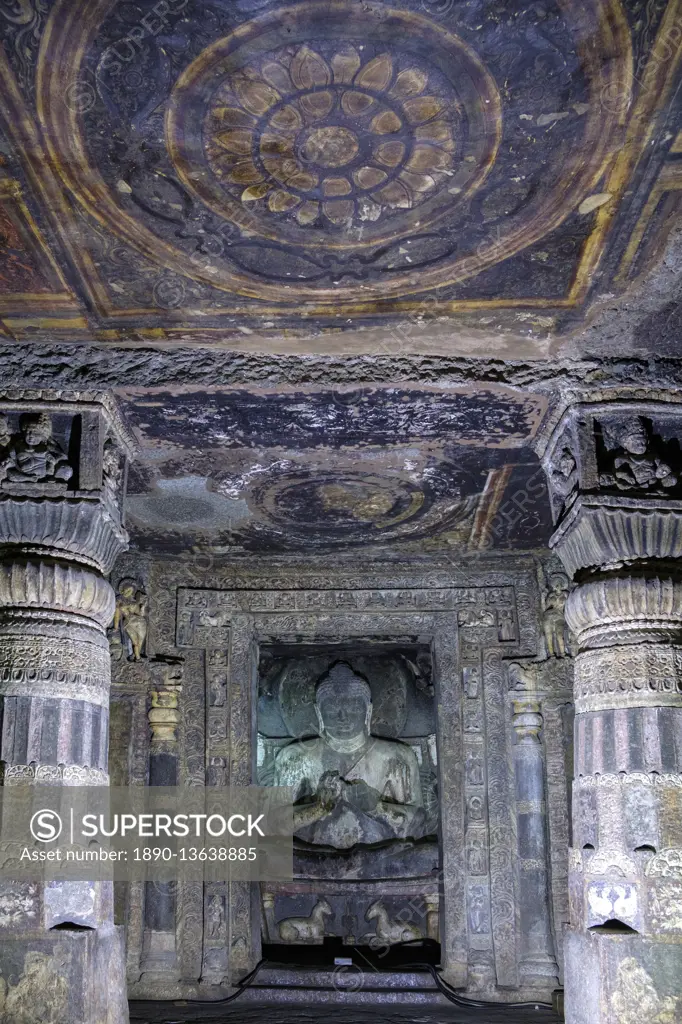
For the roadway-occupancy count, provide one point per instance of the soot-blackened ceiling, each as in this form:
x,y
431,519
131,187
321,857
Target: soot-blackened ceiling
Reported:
x,y
186,169
407,469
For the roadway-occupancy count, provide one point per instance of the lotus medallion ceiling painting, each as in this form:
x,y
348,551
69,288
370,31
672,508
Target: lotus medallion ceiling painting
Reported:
x,y
184,166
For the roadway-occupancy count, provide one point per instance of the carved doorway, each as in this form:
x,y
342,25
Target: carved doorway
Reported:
x,y
367,861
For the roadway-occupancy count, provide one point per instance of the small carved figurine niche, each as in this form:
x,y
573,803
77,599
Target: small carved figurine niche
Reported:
x,y
35,449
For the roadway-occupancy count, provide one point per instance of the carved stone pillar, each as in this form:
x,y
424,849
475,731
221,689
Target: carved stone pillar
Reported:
x,y
614,476
62,476
159,957
538,966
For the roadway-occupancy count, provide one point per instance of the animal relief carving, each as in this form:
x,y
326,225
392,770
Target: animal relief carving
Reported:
x,y
389,932
306,929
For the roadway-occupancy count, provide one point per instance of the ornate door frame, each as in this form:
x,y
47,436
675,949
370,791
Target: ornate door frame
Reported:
x,y
467,627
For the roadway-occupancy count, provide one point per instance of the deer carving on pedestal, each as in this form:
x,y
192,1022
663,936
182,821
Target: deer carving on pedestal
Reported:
x,y
390,932
306,929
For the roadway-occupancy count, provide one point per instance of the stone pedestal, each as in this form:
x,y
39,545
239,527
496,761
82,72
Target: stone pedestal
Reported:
x,y
614,471
62,475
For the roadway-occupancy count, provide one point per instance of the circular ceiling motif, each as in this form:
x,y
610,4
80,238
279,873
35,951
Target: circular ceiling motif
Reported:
x,y
341,141
347,506
334,155
332,136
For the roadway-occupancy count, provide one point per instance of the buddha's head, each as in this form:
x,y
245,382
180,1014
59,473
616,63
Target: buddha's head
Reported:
x,y
343,702
36,428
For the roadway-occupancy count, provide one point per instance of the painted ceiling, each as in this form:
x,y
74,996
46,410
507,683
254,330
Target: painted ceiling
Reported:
x,y
191,171
221,473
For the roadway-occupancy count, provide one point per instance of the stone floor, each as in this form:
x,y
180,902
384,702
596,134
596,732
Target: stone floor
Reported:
x,y
150,1013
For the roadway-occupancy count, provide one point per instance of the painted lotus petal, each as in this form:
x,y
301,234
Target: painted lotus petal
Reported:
x,y
280,201
308,213
422,108
395,194
339,211
303,180
428,158
316,105
436,131
245,173
239,140
356,103
389,153
385,123
254,192
376,74
256,97
369,177
276,75
410,82
417,182
233,117
276,145
345,65
336,186
309,69
287,119
225,161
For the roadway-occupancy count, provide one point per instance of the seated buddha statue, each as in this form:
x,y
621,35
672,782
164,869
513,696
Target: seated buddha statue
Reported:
x,y
350,787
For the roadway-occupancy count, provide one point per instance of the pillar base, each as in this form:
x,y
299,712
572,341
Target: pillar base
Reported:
x,y
66,976
614,978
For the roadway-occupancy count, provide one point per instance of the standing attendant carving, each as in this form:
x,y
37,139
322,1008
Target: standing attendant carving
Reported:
x,y
130,617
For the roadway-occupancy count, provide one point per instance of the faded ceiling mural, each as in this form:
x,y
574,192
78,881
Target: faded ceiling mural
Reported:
x,y
169,170
219,473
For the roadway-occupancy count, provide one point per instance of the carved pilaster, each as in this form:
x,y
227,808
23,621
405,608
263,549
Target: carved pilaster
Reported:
x,y
62,474
618,515
538,963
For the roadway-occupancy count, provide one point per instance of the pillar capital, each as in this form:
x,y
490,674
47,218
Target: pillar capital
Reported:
x,y
614,473
63,468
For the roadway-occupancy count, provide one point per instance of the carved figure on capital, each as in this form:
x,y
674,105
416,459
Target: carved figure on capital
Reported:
x,y
563,473
632,458
31,454
112,472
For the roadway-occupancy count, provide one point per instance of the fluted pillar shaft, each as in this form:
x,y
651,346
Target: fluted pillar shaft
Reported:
x,y
615,481
62,476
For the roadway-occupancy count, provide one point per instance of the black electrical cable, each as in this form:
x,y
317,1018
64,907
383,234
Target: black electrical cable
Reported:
x,y
450,993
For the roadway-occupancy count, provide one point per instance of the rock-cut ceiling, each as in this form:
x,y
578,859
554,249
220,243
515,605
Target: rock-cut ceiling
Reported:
x,y
409,470
183,169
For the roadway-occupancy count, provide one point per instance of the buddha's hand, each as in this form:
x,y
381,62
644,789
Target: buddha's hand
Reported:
x,y
330,789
